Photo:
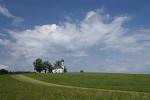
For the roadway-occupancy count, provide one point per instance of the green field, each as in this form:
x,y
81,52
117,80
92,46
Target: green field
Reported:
x,y
128,82
14,89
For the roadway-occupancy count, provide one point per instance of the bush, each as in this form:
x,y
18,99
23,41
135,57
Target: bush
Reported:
x,y
65,70
3,71
81,71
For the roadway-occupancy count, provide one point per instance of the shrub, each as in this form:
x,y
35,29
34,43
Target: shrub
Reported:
x,y
3,71
81,71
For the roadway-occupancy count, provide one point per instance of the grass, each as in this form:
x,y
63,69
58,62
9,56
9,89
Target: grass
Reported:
x,y
127,82
11,89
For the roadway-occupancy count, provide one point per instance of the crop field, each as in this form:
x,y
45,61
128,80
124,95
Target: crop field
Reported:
x,y
15,87
127,82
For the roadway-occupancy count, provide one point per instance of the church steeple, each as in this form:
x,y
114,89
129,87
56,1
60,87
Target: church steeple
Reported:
x,y
62,64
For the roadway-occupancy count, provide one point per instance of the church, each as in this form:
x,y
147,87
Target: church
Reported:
x,y
59,67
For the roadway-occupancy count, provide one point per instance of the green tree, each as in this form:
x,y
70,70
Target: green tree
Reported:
x,y
65,70
50,67
58,63
38,65
81,71
3,71
45,66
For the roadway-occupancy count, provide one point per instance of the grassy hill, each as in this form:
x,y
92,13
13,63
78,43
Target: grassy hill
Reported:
x,y
12,89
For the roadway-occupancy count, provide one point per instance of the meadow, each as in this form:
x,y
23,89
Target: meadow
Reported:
x,y
127,82
12,89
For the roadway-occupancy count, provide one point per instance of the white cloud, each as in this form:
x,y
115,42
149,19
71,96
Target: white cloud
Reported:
x,y
3,67
97,29
4,11
73,37
70,37
5,42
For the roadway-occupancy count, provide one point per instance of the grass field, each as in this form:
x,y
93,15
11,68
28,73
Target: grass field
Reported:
x,y
12,89
128,82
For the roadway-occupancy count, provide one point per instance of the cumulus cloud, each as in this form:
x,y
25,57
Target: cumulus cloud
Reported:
x,y
97,29
3,67
4,11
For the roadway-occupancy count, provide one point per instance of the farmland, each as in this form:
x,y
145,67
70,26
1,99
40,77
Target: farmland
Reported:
x,y
127,82
13,87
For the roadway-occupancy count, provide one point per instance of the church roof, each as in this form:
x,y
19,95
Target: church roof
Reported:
x,y
58,67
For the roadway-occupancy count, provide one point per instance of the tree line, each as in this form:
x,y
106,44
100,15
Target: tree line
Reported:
x,y
46,66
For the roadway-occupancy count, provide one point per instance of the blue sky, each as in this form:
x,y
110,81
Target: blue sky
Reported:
x,y
93,35
55,11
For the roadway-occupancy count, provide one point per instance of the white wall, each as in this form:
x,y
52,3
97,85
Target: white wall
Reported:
x,y
58,70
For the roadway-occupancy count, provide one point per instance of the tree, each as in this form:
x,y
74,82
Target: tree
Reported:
x,y
58,63
38,65
3,71
50,67
65,69
81,71
45,66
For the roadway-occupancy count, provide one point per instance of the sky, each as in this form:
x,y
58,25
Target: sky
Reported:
x,y
90,35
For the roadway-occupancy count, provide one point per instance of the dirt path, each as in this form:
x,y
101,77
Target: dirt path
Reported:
x,y
23,78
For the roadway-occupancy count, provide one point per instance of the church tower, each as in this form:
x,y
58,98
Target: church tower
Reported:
x,y
62,64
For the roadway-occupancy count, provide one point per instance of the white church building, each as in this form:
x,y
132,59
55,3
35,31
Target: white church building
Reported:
x,y
59,67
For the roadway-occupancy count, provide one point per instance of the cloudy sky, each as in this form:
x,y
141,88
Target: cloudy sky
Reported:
x,y
93,35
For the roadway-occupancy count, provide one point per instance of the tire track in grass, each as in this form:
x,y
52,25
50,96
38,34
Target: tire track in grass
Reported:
x,y
23,78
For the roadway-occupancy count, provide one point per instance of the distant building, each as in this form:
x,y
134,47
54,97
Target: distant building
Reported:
x,y
59,67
